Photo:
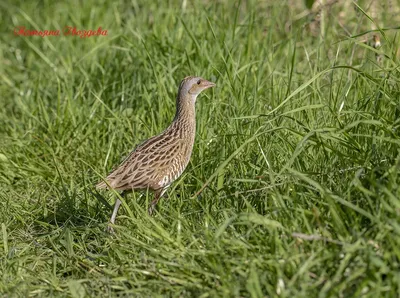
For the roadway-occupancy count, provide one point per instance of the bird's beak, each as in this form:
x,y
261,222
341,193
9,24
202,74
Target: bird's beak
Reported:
x,y
207,84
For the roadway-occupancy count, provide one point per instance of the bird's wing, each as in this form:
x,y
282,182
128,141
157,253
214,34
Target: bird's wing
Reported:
x,y
146,164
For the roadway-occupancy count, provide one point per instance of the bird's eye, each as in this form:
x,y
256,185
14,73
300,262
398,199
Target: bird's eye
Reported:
x,y
198,82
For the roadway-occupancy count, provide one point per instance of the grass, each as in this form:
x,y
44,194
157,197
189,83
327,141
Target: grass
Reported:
x,y
293,186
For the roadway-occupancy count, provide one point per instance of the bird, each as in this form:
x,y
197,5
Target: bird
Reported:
x,y
157,162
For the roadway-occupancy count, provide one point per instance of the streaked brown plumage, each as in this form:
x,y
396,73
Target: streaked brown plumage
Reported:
x,y
160,160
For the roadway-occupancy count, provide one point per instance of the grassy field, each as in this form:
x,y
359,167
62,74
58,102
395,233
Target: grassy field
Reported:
x,y
293,189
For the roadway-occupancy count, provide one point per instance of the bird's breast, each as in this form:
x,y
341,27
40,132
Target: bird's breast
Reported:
x,y
177,164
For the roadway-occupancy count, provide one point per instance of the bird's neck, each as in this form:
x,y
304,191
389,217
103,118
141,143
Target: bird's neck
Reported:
x,y
185,115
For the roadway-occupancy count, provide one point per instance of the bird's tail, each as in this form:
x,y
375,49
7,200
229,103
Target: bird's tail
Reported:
x,y
101,185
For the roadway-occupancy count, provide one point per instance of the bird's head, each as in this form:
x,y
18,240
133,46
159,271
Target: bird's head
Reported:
x,y
192,86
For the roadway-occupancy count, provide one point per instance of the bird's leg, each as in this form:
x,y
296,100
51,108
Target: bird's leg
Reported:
x,y
114,214
157,195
